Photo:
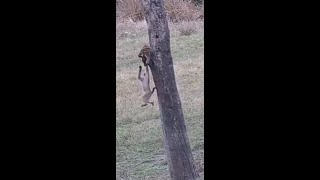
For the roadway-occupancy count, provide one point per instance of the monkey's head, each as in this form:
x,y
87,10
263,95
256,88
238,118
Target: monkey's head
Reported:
x,y
144,51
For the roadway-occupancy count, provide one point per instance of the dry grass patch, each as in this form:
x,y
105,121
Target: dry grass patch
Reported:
x,y
177,10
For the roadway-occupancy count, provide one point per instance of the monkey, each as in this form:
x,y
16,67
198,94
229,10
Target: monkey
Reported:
x,y
145,55
146,86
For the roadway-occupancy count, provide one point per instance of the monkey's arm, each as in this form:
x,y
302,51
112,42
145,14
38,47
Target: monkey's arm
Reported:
x,y
147,60
144,60
139,75
147,54
147,76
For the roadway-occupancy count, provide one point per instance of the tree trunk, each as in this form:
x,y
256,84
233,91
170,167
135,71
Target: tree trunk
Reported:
x,y
179,155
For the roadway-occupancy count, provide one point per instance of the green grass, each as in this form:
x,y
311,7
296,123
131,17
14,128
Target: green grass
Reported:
x,y
140,151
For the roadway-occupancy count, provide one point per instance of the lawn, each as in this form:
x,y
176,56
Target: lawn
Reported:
x,y
140,153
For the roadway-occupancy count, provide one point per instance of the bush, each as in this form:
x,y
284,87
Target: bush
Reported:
x,y
129,9
186,28
182,10
177,10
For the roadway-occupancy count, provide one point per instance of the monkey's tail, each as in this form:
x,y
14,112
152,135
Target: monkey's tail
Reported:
x,y
153,89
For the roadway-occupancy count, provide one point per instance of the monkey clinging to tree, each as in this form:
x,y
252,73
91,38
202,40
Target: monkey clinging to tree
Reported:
x,y
145,55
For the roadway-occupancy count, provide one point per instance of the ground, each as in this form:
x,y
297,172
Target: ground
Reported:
x,y
140,153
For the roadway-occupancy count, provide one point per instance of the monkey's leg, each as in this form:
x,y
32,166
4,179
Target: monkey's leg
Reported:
x,y
151,103
146,98
153,89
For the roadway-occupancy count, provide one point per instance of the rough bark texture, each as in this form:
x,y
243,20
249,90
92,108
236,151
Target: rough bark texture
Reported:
x,y
179,155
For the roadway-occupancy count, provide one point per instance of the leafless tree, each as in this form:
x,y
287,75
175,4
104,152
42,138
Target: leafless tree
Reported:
x,y
179,155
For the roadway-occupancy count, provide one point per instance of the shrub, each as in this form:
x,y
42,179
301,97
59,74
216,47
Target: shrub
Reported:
x,y
182,10
177,10
186,28
129,9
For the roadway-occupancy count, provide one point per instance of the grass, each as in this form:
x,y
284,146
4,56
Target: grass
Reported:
x,y
140,152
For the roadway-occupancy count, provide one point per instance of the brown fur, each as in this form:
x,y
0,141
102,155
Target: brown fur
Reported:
x,y
145,54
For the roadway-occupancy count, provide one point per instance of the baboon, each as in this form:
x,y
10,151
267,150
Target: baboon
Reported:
x,y
145,55
146,86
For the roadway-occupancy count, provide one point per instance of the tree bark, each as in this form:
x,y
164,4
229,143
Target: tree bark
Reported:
x,y
179,155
